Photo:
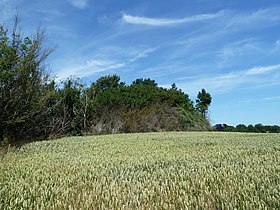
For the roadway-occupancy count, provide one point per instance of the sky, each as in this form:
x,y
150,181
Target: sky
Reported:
x,y
231,48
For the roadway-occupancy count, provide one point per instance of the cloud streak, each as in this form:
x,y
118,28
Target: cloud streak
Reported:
x,y
80,4
272,98
225,82
261,70
90,68
7,9
277,43
261,18
102,64
142,54
138,20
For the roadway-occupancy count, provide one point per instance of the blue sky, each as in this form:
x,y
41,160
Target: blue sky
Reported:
x,y
231,48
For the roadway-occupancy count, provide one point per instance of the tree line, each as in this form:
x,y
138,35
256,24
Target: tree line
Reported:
x,y
258,128
33,106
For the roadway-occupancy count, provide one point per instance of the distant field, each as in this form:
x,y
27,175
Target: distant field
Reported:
x,y
142,171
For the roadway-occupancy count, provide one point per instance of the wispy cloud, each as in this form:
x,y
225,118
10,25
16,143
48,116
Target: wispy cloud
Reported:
x,y
223,82
261,19
167,22
90,68
103,63
233,22
142,54
240,47
272,98
80,4
257,100
261,70
277,43
52,13
7,9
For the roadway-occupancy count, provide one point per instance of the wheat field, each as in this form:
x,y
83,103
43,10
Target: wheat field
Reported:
x,y
183,170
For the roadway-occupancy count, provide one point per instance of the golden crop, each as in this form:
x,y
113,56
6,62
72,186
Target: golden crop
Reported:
x,y
144,171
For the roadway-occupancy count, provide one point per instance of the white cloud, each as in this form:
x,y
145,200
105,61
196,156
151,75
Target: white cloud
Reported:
x,y
81,4
165,22
223,82
261,70
103,63
277,43
235,51
90,68
272,98
260,19
142,54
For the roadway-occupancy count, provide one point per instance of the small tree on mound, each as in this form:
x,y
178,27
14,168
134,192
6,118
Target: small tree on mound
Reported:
x,y
203,102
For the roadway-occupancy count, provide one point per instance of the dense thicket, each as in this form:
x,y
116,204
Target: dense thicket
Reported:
x,y
140,107
258,128
32,106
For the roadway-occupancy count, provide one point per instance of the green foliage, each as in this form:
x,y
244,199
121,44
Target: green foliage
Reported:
x,y
21,83
105,83
71,117
203,102
241,128
145,82
190,120
173,86
258,128
139,107
175,170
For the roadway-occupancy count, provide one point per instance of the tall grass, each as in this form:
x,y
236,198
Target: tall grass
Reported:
x,y
144,171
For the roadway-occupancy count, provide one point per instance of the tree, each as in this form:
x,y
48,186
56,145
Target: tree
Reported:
x,y
260,128
241,128
218,127
203,102
22,79
142,81
71,104
173,86
104,83
251,129
229,128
